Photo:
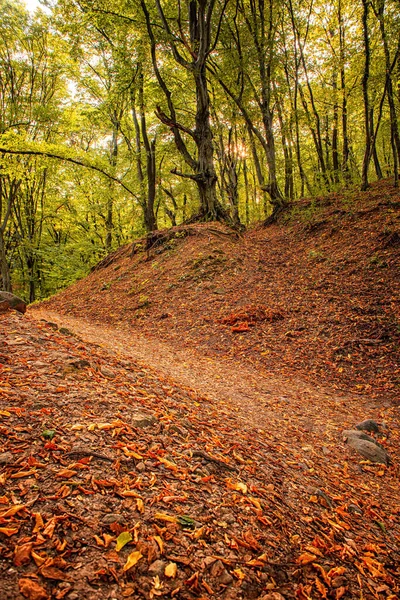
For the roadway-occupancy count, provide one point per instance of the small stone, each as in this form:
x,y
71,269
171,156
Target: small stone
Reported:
x,y
338,582
107,372
220,573
142,420
65,331
359,435
113,518
354,509
6,458
79,364
157,567
368,425
140,467
369,450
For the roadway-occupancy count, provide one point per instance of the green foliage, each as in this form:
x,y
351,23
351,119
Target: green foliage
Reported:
x,y
78,103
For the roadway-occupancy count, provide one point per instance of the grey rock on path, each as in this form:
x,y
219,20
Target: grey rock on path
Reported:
x,y
368,449
8,300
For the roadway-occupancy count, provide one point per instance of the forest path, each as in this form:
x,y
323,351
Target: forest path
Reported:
x,y
259,399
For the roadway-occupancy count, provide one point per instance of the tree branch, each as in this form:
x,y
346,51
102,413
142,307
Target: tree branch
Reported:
x,y
67,159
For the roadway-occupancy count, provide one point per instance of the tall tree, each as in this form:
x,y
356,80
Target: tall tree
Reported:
x,y
191,43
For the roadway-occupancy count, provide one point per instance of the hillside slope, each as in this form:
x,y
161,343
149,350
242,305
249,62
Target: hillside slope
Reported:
x,y
317,295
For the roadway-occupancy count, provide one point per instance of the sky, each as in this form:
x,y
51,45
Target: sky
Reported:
x,y
31,5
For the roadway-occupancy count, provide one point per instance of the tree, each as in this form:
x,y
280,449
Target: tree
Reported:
x,y
198,37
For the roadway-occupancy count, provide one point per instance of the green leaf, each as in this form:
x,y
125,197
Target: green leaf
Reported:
x,y
48,434
187,522
123,539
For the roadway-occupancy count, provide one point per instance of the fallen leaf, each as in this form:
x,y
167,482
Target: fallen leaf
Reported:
x,y
239,486
306,558
167,518
160,543
133,558
124,538
22,554
32,590
12,511
171,570
9,531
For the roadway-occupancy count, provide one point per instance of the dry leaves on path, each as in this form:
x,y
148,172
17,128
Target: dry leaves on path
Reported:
x,y
116,482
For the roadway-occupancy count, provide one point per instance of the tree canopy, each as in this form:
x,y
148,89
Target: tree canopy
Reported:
x,y
118,118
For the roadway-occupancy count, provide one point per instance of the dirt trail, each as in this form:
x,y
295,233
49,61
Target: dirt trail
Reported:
x,y
259,399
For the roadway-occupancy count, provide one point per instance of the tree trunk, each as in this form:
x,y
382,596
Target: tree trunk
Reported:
x,y
335,131
345,135
394,137
365,79
4,267
205,177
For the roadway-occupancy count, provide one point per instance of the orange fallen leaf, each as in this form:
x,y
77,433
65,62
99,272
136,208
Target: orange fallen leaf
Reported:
x,y
32,590
39,560
12,511
9,531
321,588
167,518
38,523
239,486
160,543
129,494
335,571
22,474
107,539
238,573
66,473
170,465
49,527
306,558
340,592
133,558
171,570
132,454
99,541
22,554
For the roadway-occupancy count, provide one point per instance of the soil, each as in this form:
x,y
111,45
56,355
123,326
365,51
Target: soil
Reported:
x,y
171,426
316,297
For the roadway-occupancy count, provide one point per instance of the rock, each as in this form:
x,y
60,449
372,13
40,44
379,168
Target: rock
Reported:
x,y
142,420
79,364
140,467
6,458
220,573
113,518
107,372
368,425
338,582
360,435
370,450
354,509
8,300
157,567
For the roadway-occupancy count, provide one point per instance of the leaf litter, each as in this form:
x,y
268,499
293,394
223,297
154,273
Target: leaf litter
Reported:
x,y
190,444
107,509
